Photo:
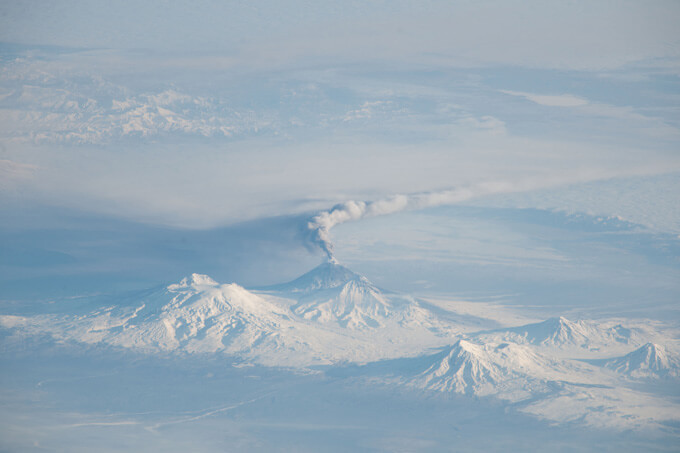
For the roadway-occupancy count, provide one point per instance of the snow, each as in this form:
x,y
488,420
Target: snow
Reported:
x,y
194,280
332,316
560,332
332,294
649,361
475,369
327,275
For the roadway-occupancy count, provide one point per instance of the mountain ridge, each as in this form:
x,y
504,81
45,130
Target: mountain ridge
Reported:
x,y
648,361
560,332
329,274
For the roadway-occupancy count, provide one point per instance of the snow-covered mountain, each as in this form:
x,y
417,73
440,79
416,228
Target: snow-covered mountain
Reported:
x,y
508,371
331,294
332,315
560,333
649,361
328,275
329,314
200,315
195,315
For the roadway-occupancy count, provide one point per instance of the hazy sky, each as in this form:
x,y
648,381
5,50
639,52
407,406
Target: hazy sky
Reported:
x,y
203,114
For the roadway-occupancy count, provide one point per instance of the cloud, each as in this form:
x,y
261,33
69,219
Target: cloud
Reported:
x,y
652,126
321,224
208,147
486,123
562,100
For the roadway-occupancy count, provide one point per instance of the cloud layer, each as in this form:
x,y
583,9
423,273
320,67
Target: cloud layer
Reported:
x,y
207,116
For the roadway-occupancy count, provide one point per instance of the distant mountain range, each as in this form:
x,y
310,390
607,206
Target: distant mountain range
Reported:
x,y
562,333
332,316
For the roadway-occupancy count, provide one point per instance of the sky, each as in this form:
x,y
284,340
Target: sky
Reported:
x,y
193,118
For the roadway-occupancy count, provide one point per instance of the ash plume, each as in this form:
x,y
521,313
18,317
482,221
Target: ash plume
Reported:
x,y
321,224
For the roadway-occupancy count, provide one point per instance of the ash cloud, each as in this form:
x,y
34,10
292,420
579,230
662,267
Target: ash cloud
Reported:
x,y
322,223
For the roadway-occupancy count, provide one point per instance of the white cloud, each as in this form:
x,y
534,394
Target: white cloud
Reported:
x,y
645,200
334,127
486,123
207,184
562,100
649,125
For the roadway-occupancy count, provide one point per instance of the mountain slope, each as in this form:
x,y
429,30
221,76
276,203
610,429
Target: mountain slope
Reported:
x,y
199,315
331,294
648,361
327,275
507,371
195,315
337,316
560,332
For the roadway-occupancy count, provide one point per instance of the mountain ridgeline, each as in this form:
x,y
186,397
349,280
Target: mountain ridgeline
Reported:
x,y
332,316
